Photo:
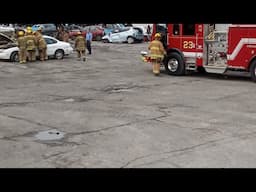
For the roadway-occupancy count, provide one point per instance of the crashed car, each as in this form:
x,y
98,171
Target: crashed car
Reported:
x,y
55,48
122,35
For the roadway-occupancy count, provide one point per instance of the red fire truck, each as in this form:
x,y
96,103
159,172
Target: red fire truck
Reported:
x,y
214,48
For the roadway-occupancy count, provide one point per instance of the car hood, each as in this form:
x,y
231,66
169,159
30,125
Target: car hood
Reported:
x,y
6,42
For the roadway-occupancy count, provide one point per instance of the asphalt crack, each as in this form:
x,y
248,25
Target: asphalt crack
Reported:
x,y
159,160
28,120
113,127
12,138
15,104
231,96
185,149
46,157
121,87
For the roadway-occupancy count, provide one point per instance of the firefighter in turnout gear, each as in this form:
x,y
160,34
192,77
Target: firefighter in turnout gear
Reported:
x,y
31,45
80,45
41,45
22,47
28,29
157,53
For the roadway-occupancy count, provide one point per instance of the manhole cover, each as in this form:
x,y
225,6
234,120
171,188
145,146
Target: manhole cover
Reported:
x,y
50,135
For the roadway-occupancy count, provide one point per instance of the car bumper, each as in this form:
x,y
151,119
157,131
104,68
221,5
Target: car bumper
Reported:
x,y
69,50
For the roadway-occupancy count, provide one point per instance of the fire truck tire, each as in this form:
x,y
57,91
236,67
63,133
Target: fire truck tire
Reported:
x,y
174,64
253,71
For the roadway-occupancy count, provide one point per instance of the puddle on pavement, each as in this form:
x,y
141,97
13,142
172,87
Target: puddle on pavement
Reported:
x,y
50,135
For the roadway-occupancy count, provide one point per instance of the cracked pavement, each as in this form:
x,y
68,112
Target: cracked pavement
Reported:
x,y
116,114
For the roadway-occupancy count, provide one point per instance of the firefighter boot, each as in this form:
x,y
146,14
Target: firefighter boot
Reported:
x,y
78,55
155,68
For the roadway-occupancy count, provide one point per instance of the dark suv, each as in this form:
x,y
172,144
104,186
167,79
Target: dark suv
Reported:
x,y
47,29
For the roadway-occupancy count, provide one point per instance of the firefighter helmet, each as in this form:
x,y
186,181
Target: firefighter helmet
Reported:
x,y
21,33
157,35
29,31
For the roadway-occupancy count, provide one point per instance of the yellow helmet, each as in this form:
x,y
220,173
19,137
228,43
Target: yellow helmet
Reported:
x,y
29,31
20,33
157,35
29,28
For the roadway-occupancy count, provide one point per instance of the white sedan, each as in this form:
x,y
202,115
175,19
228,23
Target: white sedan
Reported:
x,y
55,48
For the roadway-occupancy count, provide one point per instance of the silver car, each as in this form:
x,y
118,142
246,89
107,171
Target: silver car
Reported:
x,y
122,35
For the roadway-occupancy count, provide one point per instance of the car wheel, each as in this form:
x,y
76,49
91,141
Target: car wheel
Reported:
x,y
59,54
14,57
98,38
105,41
130,40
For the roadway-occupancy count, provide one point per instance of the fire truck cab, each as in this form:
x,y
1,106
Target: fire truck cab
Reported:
x,y
214,48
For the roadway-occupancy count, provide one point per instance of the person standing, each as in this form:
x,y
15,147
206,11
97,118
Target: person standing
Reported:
x,y
89,41
80,45
157,53
148,32
65,36
31,45
22,47
41,45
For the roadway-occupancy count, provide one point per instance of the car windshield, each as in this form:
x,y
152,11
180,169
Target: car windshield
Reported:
x,y
162,28
49,40
118,30
138,30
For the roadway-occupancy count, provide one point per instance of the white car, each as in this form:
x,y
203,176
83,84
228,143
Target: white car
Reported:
x,y
126,34
55,48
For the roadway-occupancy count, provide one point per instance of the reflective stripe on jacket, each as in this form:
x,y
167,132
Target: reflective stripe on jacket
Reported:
x,y
156,49
22,42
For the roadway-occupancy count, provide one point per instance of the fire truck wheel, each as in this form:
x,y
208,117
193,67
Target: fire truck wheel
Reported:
x,y
253,71
174,64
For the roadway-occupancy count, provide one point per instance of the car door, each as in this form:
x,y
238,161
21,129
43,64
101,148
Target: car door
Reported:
x,y
52,46
115,36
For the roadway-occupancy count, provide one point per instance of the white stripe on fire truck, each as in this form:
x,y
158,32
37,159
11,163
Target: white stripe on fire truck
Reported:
x,y
239,46
193,54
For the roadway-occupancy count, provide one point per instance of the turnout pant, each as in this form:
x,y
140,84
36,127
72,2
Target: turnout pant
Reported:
x,y
156,66
81,53
31,55
22,55
42,54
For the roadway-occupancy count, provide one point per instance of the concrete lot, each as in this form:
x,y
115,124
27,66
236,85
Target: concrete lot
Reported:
x,y
114,113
